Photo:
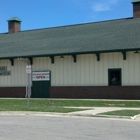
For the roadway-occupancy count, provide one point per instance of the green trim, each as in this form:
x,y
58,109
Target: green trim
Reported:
x,y
124,55
50,77
12,62
135,1
52,59
16,19
98,56
74,58
31,60
71,53
43,81
113,69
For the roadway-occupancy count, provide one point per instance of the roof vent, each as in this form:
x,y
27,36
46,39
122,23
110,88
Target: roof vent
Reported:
x,y
136,8
14,25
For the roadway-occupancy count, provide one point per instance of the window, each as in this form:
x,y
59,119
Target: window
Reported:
x,y
114,77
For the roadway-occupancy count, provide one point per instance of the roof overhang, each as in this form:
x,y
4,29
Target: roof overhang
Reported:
x,y
71,53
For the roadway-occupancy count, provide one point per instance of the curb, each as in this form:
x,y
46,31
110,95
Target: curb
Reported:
x,y
111,116
32,113
136,117
66,114
102,116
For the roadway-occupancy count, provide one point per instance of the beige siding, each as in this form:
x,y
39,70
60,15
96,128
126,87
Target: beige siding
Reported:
x,y
137,69
87,71
18,74
105,69
95,70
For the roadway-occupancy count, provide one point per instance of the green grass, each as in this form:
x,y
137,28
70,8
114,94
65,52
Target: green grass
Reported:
x,y
50,105
35,105
122,113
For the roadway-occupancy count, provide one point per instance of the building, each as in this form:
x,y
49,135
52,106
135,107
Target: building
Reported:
x,y
99,60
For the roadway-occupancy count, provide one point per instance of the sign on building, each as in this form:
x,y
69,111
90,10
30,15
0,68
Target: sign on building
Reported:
x,y
3,68
41,76
4,72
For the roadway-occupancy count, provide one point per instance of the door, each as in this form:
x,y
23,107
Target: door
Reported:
x,y
41,84
41,89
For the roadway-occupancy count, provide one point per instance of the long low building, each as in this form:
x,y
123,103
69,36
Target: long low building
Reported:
x,y
98,60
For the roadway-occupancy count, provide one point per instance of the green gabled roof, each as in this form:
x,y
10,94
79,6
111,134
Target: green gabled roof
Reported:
x,y
134,1
108,36
14,19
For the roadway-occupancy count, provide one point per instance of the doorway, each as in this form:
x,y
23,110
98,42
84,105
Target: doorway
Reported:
x,y
41,84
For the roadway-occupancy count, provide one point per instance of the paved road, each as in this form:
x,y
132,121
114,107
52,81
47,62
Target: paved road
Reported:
x,y
67,128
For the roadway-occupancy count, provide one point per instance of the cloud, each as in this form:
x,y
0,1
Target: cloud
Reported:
x,y
103,6
98,7
113,1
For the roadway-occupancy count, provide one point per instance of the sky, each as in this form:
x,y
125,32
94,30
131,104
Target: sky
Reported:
x,y
37,14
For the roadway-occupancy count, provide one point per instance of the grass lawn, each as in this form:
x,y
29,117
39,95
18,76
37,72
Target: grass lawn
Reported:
x,y
122,113
52,105
35,105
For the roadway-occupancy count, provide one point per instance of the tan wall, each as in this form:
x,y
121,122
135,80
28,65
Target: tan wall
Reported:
x,y
87,71
18,74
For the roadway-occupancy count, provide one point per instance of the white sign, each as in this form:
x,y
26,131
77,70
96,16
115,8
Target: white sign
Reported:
x,y
41,76
28,69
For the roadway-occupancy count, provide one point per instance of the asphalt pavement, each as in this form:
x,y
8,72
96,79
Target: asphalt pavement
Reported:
x,y
31,127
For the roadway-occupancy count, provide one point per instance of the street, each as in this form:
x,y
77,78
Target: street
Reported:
x,y
66,128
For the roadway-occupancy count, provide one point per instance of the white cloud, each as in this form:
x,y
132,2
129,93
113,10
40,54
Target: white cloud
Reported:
x,y
103,6
113,1
98,7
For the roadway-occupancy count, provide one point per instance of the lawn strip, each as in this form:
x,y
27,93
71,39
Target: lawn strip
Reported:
x,y
50,105
122,113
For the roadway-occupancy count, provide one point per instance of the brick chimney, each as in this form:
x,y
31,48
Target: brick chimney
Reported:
x,y
136,8
14,25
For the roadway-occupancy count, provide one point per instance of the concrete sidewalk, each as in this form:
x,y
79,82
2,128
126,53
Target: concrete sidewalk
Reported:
x,y
95,112
88,112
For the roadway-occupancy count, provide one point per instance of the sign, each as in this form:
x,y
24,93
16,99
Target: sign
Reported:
x,y
3,68
28,69
41,76
4,72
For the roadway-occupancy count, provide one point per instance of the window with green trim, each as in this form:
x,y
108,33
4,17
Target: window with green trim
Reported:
x,y
114,77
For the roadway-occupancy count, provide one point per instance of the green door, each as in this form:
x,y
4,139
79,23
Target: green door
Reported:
x,y
41,89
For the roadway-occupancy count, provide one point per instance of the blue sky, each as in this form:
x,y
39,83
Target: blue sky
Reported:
x,y
36,14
